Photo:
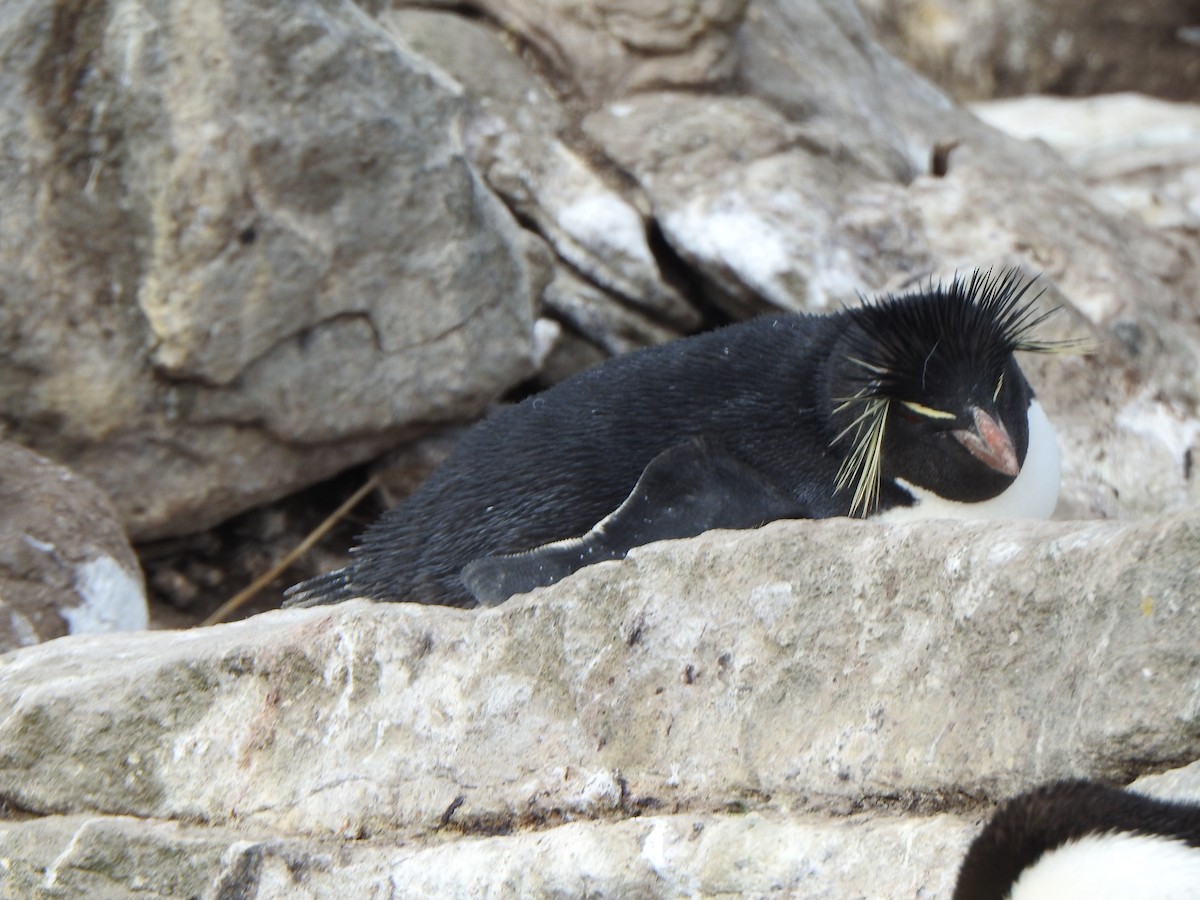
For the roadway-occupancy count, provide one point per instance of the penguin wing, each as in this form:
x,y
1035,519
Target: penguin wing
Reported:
x,y
684,491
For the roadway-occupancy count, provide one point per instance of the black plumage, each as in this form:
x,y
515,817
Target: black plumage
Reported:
x,y
1028,827
789,416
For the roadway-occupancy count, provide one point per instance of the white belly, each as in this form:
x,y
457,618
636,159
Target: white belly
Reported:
x,y
1032,495
1117,866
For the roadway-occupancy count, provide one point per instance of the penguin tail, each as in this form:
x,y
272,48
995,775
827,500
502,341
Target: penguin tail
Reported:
x,y
332,587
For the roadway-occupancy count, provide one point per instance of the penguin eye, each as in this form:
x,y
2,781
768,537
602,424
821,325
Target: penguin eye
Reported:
x,y
999,386
925,412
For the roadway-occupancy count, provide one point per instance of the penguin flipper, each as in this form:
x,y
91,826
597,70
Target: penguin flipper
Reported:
x,y
685,490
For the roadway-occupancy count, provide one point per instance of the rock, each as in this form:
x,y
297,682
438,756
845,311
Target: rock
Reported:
x,y
1181,784
1075,47
66,566
1138,153
240,252
702,854
590,312
602,48
652,856
594,229
727,219
112,857
780,202
799,673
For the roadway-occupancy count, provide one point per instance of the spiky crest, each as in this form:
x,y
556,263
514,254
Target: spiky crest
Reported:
x,y
894,340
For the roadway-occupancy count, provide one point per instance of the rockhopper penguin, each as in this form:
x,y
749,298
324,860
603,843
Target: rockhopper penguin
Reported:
x,y
906,406
1081,840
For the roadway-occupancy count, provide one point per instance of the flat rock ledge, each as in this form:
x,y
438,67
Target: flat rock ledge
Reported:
x,y
822,708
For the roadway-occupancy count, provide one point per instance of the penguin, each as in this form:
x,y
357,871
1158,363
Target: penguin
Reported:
x,y
906,406
1082,840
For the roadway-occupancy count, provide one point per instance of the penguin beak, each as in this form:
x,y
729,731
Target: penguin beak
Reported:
x,y
989,442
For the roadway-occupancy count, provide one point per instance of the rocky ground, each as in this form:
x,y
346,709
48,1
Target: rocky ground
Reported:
x,y
246,251
819,709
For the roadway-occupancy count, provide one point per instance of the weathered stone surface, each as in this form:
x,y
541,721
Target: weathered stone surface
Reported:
x,y
755,854
112,858
241,250
514,139
812,664
1181,784
776,199
66,566
819,706
706,854
1138,153
982,49
602,47
761,230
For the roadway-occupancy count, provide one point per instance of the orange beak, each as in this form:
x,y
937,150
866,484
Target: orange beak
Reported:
x,y
989,442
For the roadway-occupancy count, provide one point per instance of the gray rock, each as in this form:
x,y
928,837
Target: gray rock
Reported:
x,y
1138,153
707,854
113,858
754,218
602,48
807,669
1067,47
66,566
1181,784
590,312
754,853
515,140
248,248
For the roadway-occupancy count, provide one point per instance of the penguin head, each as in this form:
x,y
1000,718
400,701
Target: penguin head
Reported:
x,y
926,391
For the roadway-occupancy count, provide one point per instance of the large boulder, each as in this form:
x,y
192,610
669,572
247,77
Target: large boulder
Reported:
x,y
700,854
795,675
1074,47
240,250
1137,153
66,566
607,285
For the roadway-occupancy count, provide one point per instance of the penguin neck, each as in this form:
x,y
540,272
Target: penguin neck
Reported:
x,y
1033,494
1113,865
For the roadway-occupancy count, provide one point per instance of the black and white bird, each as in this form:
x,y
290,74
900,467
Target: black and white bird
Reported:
x,y
906,406
1081,840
